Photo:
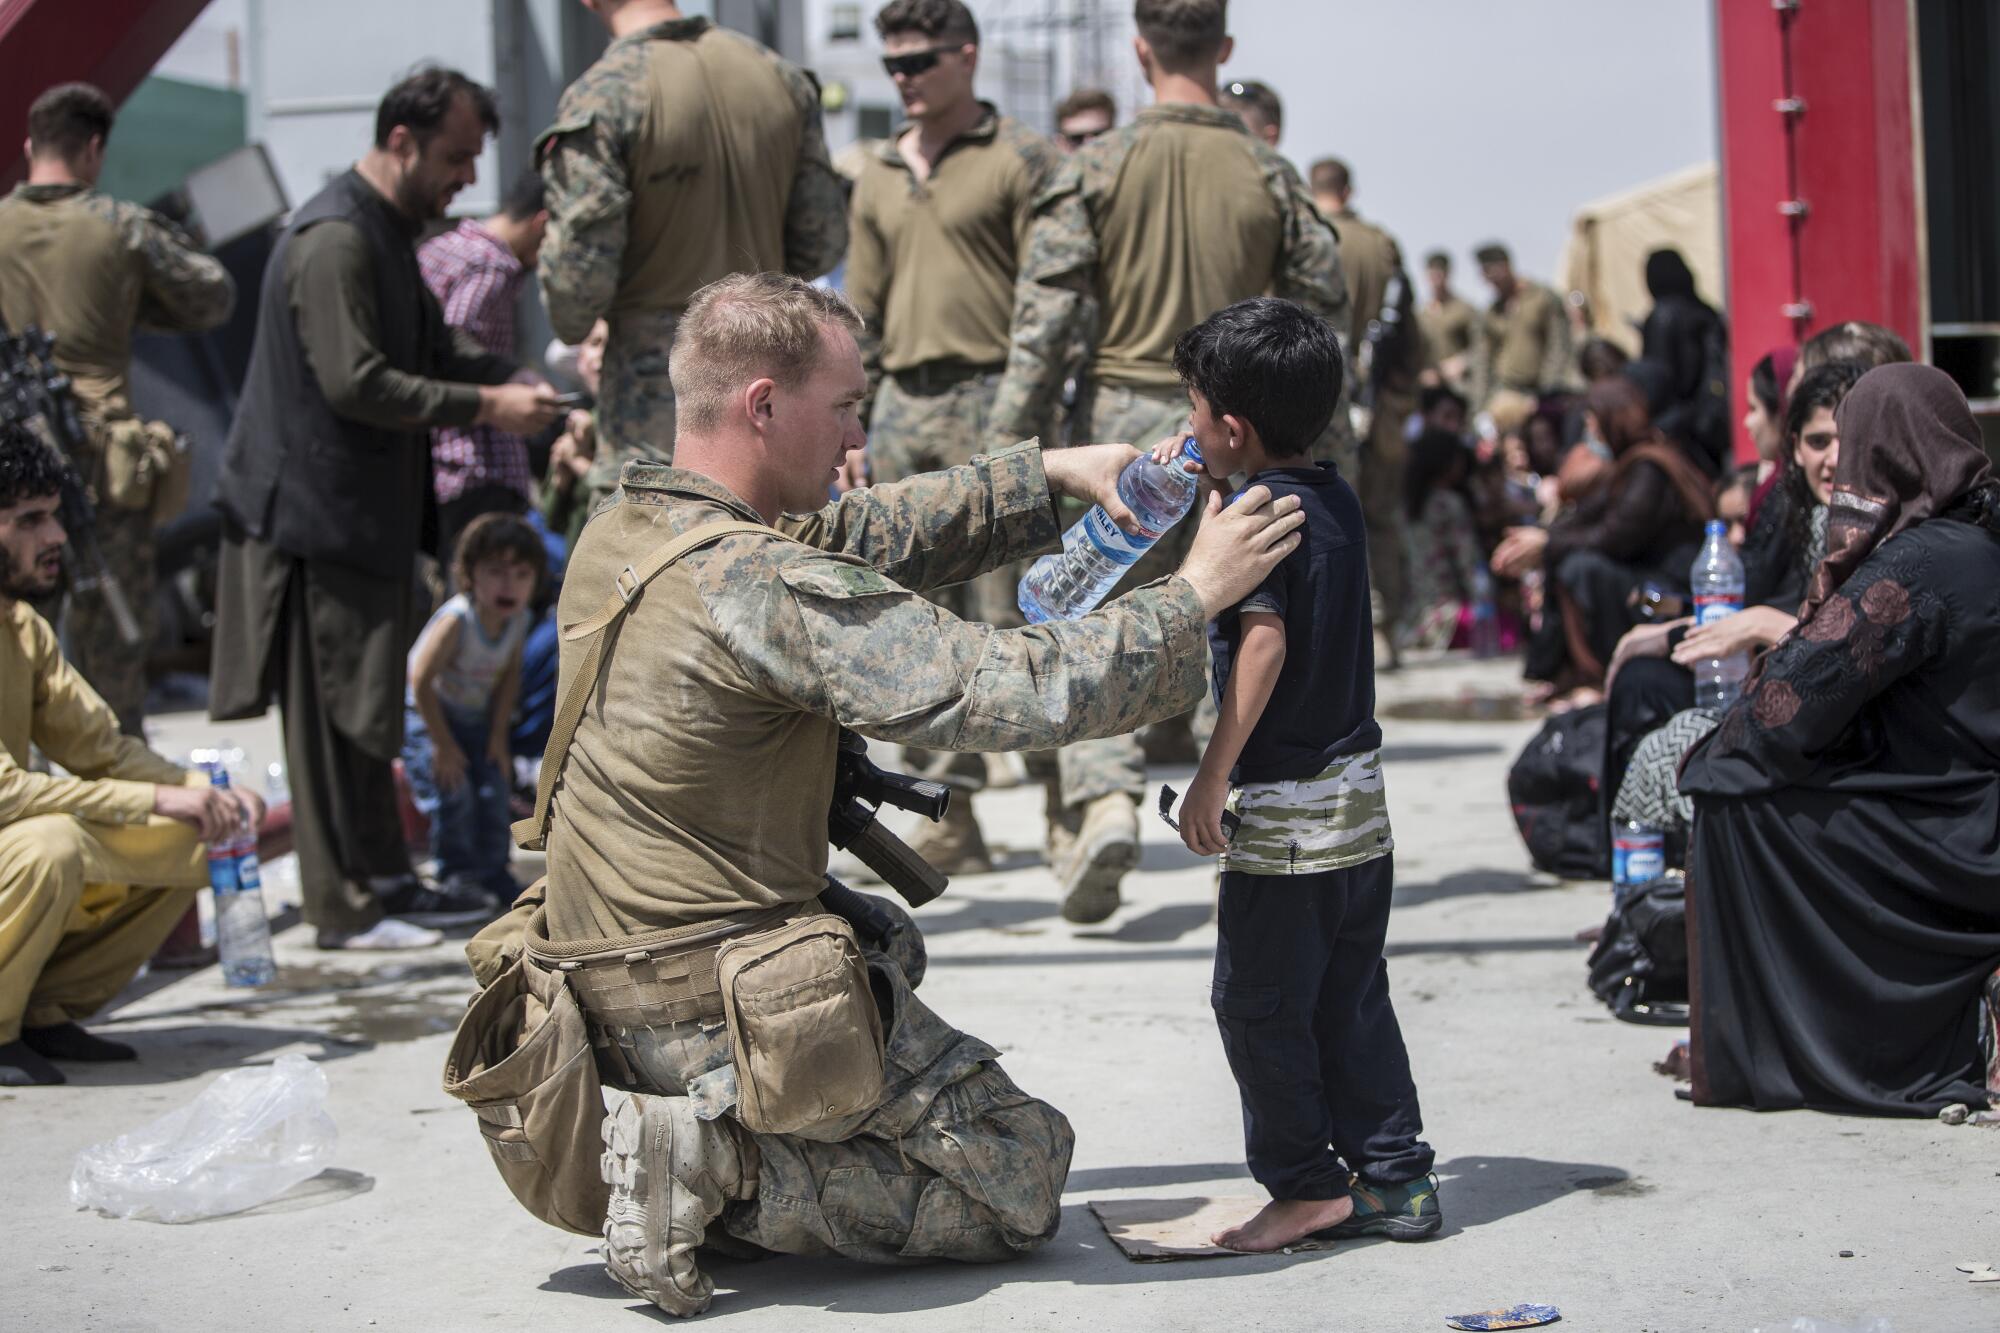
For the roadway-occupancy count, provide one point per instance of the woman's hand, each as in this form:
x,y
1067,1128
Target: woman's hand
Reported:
x,y
1520,551
1752,629
1640,641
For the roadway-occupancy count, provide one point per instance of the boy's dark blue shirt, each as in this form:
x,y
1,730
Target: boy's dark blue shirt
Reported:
x,y
1323,706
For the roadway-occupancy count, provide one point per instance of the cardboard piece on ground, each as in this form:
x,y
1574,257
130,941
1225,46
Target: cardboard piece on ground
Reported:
x,y
1156,1230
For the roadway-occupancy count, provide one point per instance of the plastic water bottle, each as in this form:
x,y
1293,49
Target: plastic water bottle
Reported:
x,y
1485,615
1096,552
1718,592
242,930
1638,856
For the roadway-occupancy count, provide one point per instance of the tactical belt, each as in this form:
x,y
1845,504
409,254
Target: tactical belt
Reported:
x,y
667,977
934,377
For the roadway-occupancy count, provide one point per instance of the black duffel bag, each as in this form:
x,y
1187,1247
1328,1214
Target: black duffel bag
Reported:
x,y
1640,964
1553,788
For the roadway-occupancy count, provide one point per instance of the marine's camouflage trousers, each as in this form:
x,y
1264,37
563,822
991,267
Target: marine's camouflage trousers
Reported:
x,y
955,1162
635,401
1112,414
116,669
911,433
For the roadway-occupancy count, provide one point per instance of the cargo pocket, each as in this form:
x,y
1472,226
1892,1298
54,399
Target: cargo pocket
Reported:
x,y
1251,1031
881,650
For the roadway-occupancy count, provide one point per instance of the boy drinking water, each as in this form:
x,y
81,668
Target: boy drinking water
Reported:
x,y
465,673
1301,992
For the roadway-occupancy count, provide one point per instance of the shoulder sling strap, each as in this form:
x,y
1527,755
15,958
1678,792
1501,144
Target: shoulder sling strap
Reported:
x,y
532,833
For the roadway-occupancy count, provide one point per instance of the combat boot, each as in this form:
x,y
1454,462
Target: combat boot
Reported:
x,y
1106,846
670,1174
954,845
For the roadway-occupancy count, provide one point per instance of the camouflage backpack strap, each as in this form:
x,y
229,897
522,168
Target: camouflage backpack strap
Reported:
x,y
532,833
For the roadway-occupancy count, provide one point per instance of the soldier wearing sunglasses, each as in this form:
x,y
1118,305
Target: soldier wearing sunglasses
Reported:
x,y
938,222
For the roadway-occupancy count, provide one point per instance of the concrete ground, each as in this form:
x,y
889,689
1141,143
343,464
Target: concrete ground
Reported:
x,y
1571,1175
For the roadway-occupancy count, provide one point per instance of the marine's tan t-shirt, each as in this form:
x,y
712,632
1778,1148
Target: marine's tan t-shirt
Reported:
x,y
931,266
1188,226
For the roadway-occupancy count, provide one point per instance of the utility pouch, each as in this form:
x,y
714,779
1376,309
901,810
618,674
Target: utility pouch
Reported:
x,y
146,466
522,1060
804,1030
500,943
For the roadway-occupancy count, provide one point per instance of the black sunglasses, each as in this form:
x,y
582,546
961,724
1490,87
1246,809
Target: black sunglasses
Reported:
x,y
1231,821
916,62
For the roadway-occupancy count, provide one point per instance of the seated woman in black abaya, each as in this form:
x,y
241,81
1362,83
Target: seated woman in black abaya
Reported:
x,y
1642,525
1844,884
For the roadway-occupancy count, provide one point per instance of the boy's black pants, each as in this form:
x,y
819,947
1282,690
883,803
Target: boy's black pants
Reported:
x,y
1302,997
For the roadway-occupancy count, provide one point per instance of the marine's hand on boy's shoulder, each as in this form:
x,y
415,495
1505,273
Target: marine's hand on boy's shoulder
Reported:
x,y
1237,546
1201,815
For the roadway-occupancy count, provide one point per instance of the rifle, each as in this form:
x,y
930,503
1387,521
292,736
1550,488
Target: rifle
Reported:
x,y
1370,369
860,789
38,396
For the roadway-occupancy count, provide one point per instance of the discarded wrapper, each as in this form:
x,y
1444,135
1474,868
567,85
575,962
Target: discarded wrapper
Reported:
x,y
1519,1316
1977,1272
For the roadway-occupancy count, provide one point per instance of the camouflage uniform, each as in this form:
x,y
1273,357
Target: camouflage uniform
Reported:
x,y
698,782
94,270
1523,344
1073,291
686,153
931,268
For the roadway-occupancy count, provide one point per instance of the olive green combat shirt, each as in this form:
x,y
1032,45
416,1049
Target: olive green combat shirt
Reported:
x,y
686,153
1369,258
1147,231
931,265
92,270
699,778
1523,344
1448,328
45,703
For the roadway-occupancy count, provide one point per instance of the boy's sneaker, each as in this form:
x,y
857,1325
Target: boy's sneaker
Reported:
x,y
1401,1212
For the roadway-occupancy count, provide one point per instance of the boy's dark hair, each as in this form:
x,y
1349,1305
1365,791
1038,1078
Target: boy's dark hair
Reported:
x,y
1330,175
1870,344
1086,99
497,537
1182,33
527,196
1269,361
67,117
29,469
422,101
945,22
1261,95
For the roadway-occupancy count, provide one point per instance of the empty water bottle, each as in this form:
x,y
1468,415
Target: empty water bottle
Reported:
x,y
1096,552
1717,580
242,930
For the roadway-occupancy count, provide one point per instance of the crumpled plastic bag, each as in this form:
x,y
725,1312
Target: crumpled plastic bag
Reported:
x,y
251,1135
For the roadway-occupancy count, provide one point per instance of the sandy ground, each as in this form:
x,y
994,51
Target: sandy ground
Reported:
x,y
1570,1174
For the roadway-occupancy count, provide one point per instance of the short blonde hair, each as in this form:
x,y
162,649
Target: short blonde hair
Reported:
x,y
745,327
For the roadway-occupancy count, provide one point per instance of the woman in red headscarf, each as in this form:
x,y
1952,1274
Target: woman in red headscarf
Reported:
x,y
1844,889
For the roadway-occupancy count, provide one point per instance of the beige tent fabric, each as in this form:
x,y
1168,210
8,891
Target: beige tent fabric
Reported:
x,y
1605,256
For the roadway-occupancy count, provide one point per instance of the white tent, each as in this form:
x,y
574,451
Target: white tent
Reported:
x,y
1605,256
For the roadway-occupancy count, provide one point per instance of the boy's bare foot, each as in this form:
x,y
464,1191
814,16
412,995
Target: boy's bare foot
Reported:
x,y
1283,1222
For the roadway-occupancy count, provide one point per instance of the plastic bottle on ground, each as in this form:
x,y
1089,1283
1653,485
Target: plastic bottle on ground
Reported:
x,y
242,930
1717,582
1096,552
1638,856
1485,615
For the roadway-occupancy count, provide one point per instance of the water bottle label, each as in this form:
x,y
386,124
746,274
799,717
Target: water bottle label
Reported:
x,y
1113,542
222,873
248,876
1637,858
1711,607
